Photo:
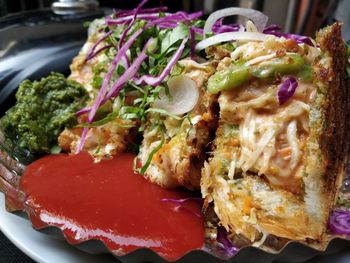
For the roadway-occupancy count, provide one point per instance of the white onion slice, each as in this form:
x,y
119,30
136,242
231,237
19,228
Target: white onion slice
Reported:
x,y
184,94
251,27
230,36
258,18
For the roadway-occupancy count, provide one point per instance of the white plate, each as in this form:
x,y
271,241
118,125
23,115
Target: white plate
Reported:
x,y
40,247
45,249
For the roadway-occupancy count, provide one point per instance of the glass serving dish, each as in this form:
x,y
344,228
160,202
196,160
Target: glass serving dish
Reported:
x,y
36,43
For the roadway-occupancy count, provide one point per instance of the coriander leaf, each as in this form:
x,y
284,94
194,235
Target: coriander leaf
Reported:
x,y
173,36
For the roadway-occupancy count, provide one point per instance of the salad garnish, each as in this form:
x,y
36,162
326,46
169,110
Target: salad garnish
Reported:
x,y
287,89
227,246
143,54
133,26
339,222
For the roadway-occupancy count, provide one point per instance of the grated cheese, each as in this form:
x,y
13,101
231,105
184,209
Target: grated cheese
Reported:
x,y
259,148
293,143
232,167
267,156
260,59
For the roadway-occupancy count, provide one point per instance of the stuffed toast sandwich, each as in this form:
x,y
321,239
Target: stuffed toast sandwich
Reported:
x,y
254,118
175,118
276,150
269,111
175,148
88,68
281,144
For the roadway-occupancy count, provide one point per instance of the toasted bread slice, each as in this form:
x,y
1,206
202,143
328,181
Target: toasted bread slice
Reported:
x,y
277,167
107,140
178,159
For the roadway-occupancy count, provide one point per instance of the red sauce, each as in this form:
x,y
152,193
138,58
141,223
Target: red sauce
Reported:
x,y
107,201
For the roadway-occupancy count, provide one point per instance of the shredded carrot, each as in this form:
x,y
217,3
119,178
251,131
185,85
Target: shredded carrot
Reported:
x,y
247,205
285,152
232,142
157,156
280,209
206,116
291,44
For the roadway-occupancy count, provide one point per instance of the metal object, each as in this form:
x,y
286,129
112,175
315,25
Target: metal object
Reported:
x,y
48,43
71,7
43,42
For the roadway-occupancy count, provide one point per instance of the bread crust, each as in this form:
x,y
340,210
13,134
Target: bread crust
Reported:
x,y
335,138
179,160
301,216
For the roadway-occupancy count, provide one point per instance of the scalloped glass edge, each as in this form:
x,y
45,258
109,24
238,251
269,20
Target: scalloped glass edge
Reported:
x,y
10,169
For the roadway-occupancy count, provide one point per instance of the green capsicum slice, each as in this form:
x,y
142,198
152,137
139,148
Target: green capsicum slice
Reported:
x,y
240,74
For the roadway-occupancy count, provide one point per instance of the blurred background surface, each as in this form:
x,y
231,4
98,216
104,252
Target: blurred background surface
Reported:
x,y
295,16
33,42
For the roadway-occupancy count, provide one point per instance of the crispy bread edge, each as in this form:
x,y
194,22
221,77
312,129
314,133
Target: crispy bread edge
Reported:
x,y
329,141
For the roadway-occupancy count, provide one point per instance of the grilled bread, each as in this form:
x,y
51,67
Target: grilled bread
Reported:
x,y
103,141
175,148
277,165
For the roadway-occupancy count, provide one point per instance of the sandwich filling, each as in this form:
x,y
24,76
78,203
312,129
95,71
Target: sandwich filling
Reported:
x,y
254,119
266,172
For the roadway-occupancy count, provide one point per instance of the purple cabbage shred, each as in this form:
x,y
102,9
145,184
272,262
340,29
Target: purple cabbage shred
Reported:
x,y
287,89
276,31
222,238
192,43
339,222
219,27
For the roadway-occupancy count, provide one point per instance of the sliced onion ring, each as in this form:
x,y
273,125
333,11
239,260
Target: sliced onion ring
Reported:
x,y
184,93
230,36
258,18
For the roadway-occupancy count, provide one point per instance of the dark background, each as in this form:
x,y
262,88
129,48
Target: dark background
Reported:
x,y
10,254
295,16
298,16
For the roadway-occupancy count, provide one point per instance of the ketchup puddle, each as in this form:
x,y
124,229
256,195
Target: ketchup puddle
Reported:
x,y
108,202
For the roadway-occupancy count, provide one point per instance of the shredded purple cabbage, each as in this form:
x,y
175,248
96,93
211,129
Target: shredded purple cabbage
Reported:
x,y
276,31
130,24
272,28
155,10
198,30
126,60
219,27
156,80
82,111
176,17
122,53
339,222
222,238
91,53
128,19
131,71
98,51
82,140
168,25
192,43
287,89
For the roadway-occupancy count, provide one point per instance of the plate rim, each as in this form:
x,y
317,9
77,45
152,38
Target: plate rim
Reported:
x,y
31,247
